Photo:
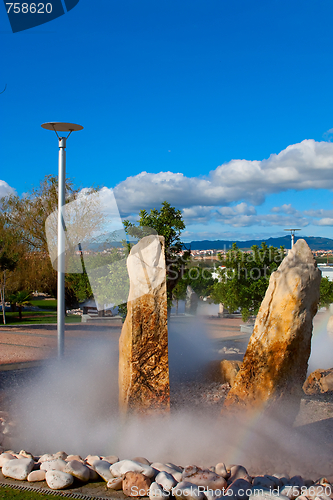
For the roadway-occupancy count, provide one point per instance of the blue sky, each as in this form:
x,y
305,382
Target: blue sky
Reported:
x,y
223,108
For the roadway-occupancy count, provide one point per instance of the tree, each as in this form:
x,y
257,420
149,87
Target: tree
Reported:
x,y
167,222
9,256
7,263
245,276
34,271
26,216
20,299
326,292
198,278
111,280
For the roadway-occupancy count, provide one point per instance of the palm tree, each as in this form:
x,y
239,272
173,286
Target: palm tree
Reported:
x,y
12,299
21,299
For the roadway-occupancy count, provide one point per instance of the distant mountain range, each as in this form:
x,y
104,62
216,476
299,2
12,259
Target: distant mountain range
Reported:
x,y
313,242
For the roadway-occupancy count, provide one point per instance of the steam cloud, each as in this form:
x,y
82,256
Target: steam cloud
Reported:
x,y
72,405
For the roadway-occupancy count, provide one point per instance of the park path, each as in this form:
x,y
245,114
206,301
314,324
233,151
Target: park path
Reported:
x,y
26,344
33,343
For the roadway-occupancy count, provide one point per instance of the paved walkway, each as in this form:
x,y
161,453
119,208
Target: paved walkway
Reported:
x,y
32,343
29,344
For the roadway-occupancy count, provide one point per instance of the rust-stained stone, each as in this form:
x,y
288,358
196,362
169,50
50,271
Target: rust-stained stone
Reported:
x,y
224,371
136,484
319,382
143,344
229,369
276,360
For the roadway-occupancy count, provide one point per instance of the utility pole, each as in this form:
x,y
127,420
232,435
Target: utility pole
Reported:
x,y
292,235
68,128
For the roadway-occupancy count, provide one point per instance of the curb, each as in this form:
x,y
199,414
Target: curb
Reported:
x,y
21,365
45,491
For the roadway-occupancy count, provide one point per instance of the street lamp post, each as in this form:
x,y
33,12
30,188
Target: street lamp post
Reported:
x,y
61,127
292,235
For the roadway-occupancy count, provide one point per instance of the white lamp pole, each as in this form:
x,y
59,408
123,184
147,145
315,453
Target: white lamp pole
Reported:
x,y
292,235
61,127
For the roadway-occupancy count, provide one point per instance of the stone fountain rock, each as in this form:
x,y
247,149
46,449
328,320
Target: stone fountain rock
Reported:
x,y
192,300
143,344
275,363
319,382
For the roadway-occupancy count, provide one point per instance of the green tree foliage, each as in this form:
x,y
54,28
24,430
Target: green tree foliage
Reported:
x,y
26,215
25,218
77,289
20,299
109,274
34,271
244,280
199,278
326,292
9,257
167,222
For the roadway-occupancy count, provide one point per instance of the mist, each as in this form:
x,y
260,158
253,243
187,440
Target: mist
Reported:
x,y
72,405
322,343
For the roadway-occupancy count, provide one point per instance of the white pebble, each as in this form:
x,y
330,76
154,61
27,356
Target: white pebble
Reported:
x,y
58,480
156,492
187,491
120,468
46,458
4,457
57,464
103,469
36,475
18,469
116,483
78,470
166,480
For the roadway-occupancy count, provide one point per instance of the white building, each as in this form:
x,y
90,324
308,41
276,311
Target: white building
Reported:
x,y
326,271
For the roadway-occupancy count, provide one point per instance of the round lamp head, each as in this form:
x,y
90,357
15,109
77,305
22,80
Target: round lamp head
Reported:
x,y
62,126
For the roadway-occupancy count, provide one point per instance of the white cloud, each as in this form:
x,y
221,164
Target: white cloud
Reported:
x,y
286,209
325,222
5,189
244,215
197,214
237,216
319,213
240,209
243,220
328,134
301,166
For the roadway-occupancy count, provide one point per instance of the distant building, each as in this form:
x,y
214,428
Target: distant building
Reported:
x,y
326,271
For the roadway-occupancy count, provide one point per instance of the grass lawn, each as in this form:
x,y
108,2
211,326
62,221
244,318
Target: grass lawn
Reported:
x,y
50,305
32,317
47,315
10,494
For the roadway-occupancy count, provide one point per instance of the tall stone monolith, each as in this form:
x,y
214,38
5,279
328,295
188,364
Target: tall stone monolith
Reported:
x,y
275,364
143,344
